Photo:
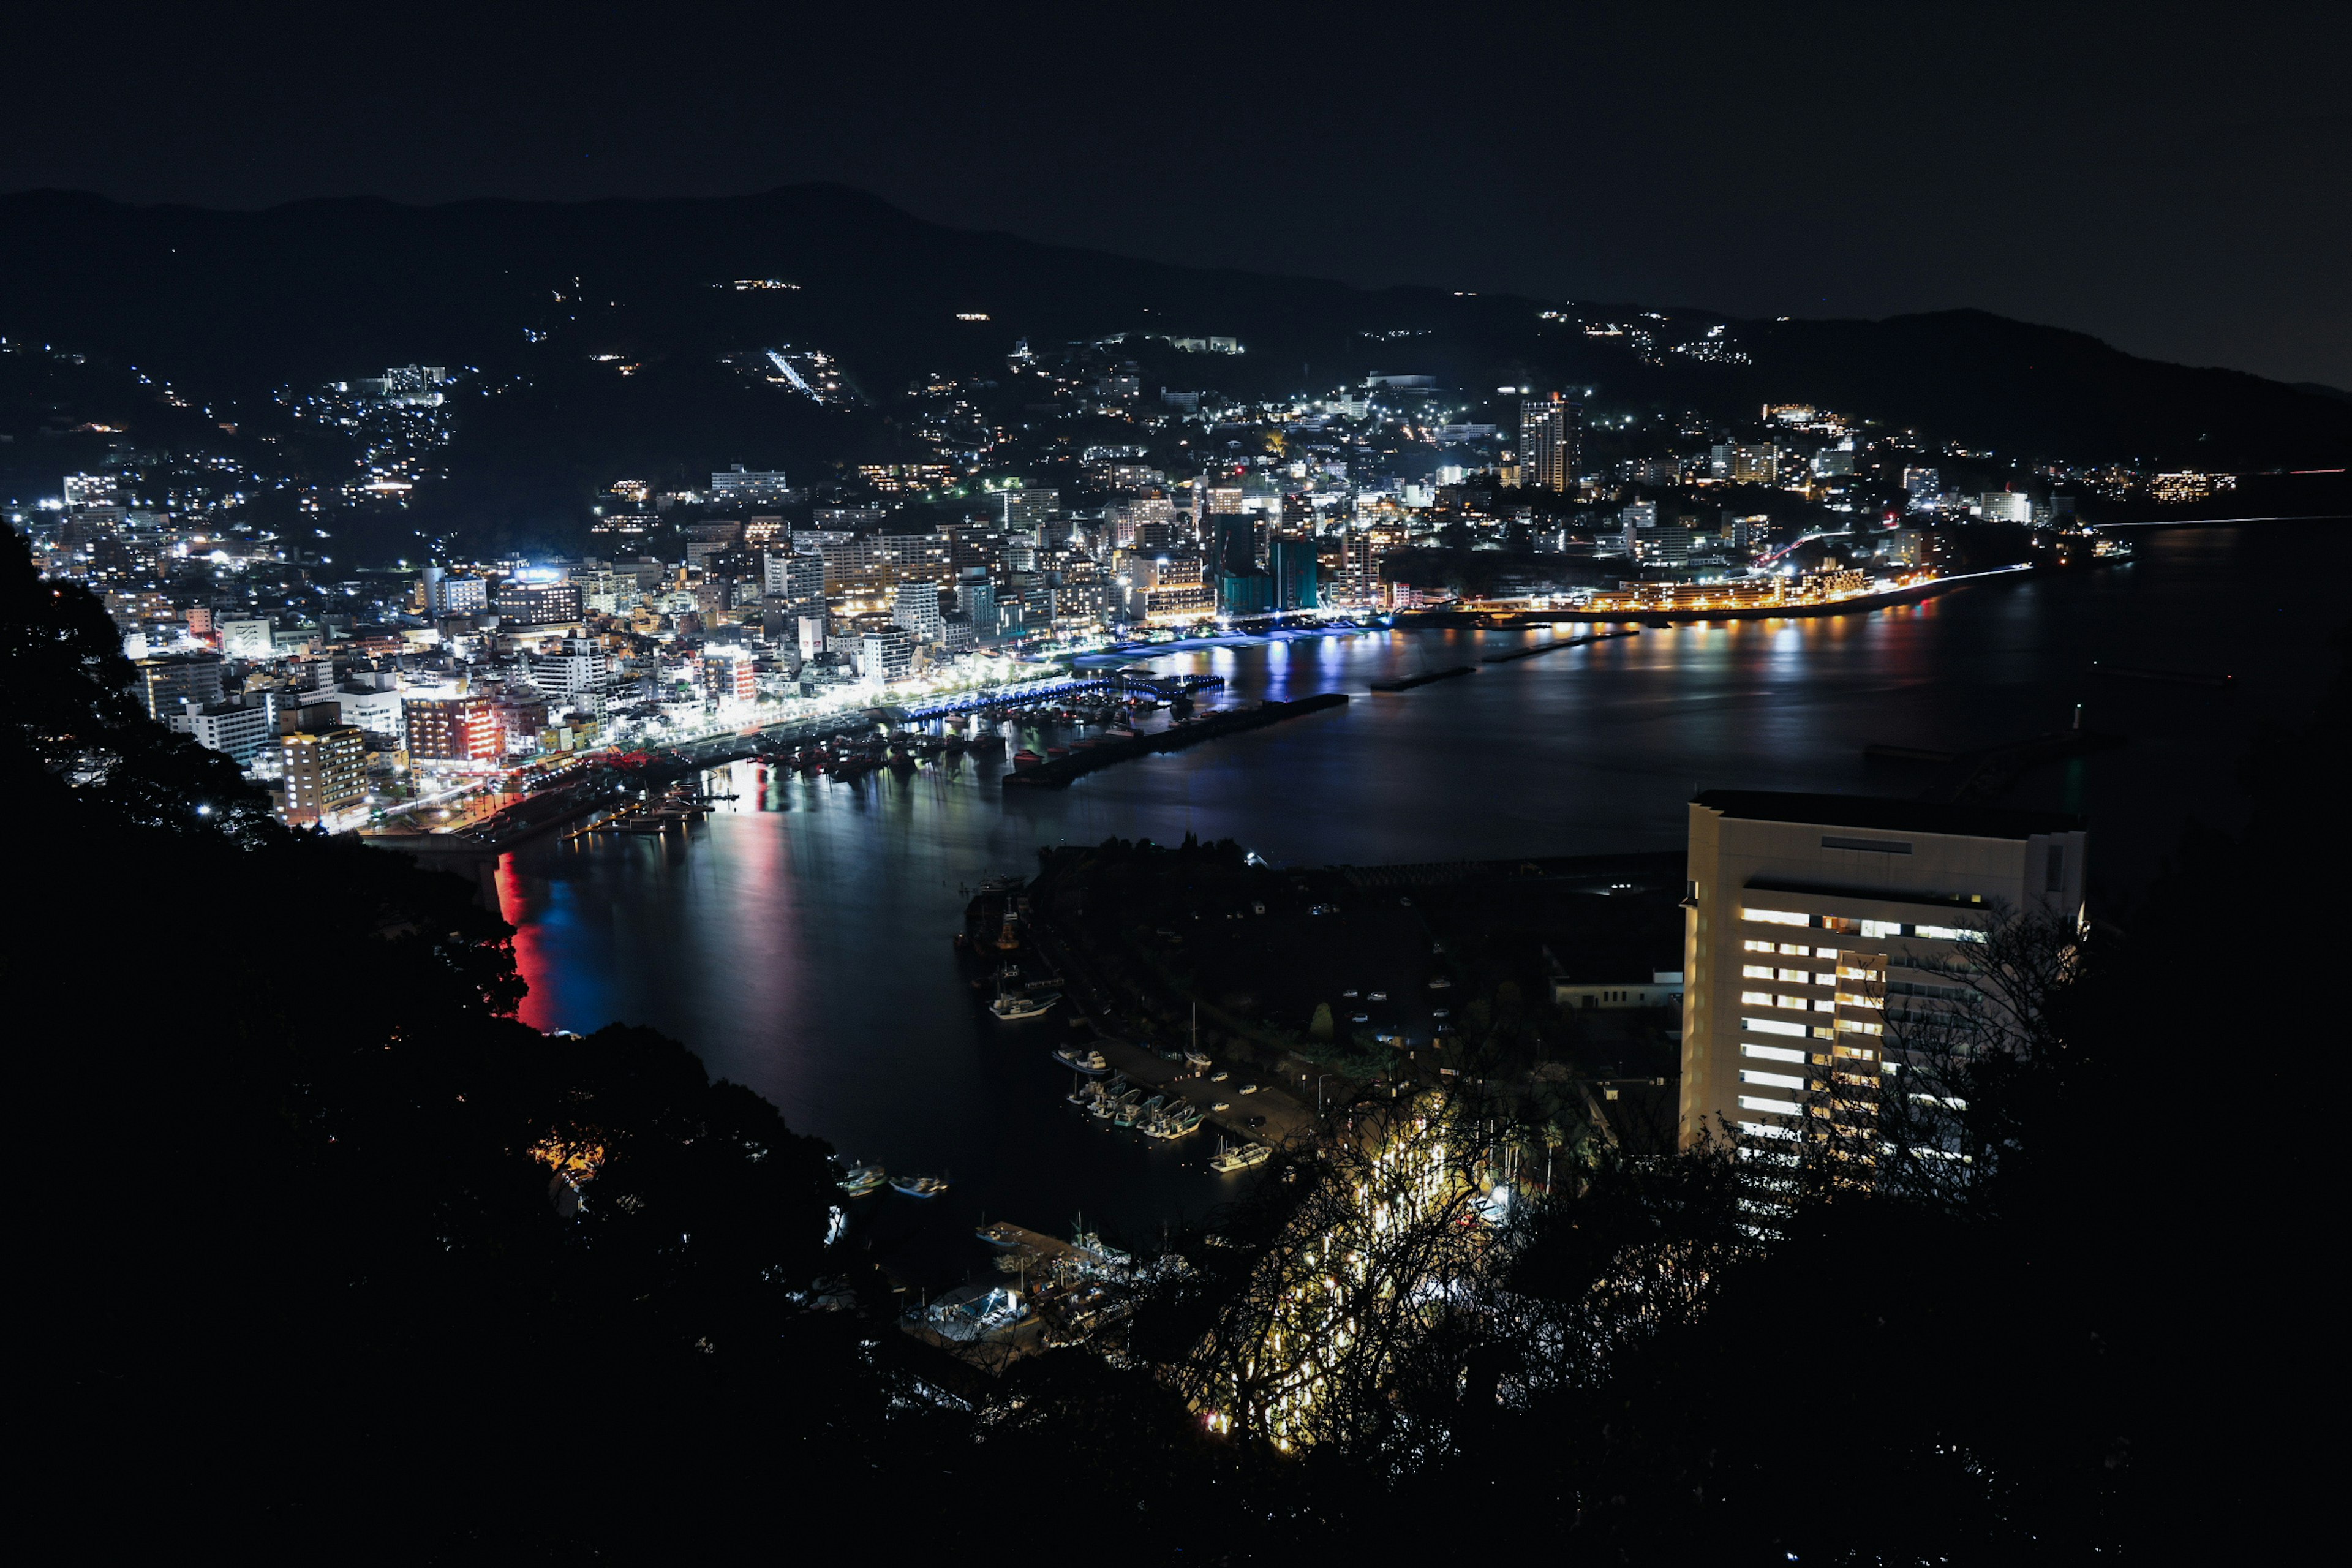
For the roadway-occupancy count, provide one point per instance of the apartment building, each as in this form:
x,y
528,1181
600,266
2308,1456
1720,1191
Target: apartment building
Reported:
x,y
1804,912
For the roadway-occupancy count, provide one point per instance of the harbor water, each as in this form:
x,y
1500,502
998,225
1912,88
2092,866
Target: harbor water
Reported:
x,y
799,939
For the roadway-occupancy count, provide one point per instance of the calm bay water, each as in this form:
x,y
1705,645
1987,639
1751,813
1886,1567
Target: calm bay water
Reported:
x,y
799,940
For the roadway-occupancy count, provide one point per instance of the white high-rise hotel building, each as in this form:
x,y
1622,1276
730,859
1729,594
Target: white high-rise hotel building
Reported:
x,y
1806,912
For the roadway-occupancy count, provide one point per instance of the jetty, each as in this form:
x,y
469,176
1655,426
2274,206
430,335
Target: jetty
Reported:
x,y
1407,682
1555,646
1058,771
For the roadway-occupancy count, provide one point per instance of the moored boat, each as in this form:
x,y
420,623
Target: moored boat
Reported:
x,y
1024,1007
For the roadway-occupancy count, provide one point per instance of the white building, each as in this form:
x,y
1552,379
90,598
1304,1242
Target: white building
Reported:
x,y
236,731
742,487
916,607
248,639
887,654
575,680
1805,912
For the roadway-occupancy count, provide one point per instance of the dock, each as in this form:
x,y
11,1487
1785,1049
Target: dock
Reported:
x,y
1285,1117
1555,646
1407,682
1058,771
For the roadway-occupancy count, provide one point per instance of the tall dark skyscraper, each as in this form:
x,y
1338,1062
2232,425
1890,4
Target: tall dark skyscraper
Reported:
x,y
1548,433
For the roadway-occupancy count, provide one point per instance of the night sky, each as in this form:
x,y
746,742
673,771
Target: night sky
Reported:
x,y
2175,179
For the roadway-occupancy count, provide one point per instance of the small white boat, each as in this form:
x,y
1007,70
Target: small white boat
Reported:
x,y
863,1179
920,1187
1231,1159
1199,1059
1013,1008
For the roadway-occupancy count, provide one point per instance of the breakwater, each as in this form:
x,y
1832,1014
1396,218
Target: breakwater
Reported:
x,y
1057,771
1407,682
1557,644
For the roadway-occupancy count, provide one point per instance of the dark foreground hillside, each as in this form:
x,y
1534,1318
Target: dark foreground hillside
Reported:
x,y
297,1287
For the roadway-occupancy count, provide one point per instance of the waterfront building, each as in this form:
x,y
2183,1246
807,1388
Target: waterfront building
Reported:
x,y
1173,591
1246,594
326,774
1294,566
1548,433
1663,546
1804,912
452,730
728,676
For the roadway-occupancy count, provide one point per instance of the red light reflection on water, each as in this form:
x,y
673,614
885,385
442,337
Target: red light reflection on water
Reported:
x,y
531,960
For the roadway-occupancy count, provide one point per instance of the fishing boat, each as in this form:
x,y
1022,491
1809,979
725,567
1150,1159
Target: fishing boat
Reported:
x,y
920,1187
1024,1007
1092,1243
862,1180
1089,1062
1225,1162
999,1235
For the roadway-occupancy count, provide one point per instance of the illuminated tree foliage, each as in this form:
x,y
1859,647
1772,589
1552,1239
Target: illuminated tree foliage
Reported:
x,y
1343,1332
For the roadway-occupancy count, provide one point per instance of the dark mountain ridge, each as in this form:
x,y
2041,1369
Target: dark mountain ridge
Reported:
x,y
228,305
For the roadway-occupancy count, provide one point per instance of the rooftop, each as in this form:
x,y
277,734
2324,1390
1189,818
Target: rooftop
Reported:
x,y
1886,814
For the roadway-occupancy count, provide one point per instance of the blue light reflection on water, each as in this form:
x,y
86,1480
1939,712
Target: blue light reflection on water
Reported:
x,y
799,940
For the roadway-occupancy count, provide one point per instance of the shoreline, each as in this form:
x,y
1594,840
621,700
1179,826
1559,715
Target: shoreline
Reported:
x,y
1860,604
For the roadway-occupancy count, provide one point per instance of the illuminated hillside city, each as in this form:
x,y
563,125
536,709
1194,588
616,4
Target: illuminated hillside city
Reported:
x,y
757,597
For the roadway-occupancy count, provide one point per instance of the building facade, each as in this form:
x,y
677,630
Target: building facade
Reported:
x,y
326,775
452,730
1804,912
1549,431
